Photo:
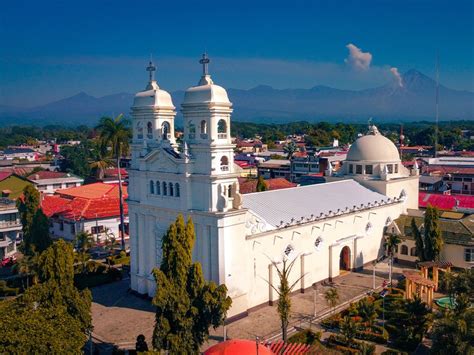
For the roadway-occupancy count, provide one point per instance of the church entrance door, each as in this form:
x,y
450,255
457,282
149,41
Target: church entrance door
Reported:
x,y
345,259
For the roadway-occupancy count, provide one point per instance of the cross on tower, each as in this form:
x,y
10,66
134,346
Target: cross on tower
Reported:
x,y
151,69
205,62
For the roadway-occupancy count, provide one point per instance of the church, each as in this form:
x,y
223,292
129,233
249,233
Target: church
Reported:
x,y
328,228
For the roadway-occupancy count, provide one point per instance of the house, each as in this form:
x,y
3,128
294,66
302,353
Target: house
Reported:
x,y
460,203
10,228
458,234
274,168
250,185
431,183
48,182
90,208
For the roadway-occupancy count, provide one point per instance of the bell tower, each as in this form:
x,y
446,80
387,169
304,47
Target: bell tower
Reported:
x,y
206,109
153,115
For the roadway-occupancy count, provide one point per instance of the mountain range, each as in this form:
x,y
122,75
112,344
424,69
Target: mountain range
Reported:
x,y
414,100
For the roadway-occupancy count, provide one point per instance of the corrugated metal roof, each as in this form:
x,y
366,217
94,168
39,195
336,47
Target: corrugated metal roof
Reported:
x,y
292,204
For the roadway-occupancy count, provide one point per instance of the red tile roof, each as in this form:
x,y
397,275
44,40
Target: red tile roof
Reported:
x,y
4,174
114,172
445,202
92,201
45,174
249,186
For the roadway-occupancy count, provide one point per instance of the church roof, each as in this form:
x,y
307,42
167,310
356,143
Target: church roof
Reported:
x,y
304,203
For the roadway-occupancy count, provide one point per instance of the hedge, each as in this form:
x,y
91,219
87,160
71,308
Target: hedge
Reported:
x,y
89,280
371,336
340,341
306,336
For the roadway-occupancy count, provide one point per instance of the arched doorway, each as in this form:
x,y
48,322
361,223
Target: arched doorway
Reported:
x,y
345,259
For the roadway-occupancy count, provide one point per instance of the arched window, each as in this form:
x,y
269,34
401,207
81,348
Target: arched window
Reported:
x,y
203,129
404,250
139,127
222,129
171,189
177,193
413,251
192,130
149,130
158,192
224,163
165,188
165,130
152,187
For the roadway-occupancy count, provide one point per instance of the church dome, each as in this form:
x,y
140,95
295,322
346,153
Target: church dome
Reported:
x,y
373,147
206,92
153,96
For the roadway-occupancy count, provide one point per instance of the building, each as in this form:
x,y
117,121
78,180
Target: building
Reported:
x,y
90,208
10,228
48,182
327,228
303,165
247,186
458,234
275,168
18,153
457,173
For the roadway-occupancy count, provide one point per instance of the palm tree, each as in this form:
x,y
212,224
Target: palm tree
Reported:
x,y
100,163
366,310
115,134
84,241
284,291
28,267
290,149
391,243
332,297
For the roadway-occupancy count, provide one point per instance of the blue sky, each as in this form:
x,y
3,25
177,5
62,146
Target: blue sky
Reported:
x,y
54,49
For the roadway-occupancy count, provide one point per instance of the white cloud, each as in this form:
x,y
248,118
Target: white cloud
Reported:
x,y
358,59
397,76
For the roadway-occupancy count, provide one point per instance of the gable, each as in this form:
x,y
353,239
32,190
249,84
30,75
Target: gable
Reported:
x,y
161,161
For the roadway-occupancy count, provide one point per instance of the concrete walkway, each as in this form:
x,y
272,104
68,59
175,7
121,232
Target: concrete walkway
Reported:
x,y
120,316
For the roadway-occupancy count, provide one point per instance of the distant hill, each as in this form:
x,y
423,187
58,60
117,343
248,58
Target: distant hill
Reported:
x,y
414,101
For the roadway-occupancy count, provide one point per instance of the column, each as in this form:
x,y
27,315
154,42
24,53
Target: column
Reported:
x,y
133,244
141,244
435,277
151,241
407,289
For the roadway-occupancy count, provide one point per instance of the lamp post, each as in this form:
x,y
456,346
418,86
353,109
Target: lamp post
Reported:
x,y
373,274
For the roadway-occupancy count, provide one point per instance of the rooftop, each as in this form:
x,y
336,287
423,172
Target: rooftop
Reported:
x,y
445,202
306,203
248,186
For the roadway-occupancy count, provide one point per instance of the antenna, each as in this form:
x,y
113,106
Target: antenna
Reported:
x,y
437,106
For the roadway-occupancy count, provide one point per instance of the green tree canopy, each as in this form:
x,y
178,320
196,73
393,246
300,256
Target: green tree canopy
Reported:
x,y
52,316
432,238
39,237
261,184
27,206
186,304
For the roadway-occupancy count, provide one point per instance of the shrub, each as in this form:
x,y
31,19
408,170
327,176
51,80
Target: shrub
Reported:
x,y
306,336
371,336
393,352
332,321
5,290
349,346
121,259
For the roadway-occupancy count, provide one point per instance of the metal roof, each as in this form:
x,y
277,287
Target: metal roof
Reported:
x,y
311,202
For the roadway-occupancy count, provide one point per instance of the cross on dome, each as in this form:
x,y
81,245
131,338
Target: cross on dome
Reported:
x,y
151,68
205,62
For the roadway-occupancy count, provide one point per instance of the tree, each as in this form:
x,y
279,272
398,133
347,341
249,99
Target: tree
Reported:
x,y
115,134
261,184
366,311
284,292
99,164
332,297
186,304
348,327
84,242
27,206
420,250
290,149
39,237
391,243
433,240
52,316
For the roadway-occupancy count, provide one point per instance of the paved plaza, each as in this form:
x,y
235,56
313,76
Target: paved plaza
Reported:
x,y
119,315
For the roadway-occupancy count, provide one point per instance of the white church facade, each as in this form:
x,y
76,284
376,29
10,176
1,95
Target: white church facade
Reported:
x,y
328,227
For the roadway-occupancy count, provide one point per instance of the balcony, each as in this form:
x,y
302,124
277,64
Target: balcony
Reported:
x,y
10,224
203,135
222,135
192,135
224,167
